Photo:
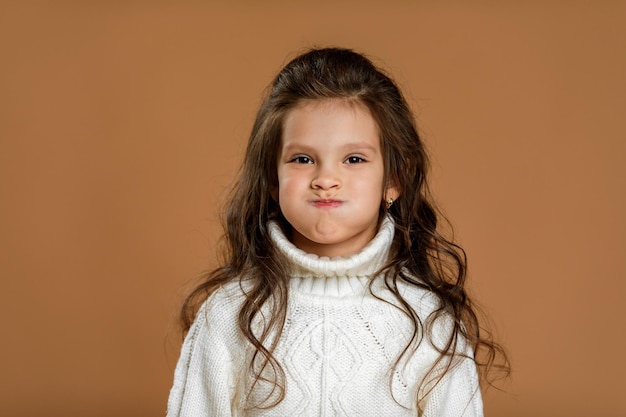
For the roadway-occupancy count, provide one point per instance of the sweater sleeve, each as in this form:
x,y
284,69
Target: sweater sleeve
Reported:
x,y
204,379
457,394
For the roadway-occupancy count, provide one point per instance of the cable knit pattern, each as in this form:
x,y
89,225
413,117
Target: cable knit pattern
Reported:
x,y
337,348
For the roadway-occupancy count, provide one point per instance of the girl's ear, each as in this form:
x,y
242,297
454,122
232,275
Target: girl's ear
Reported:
x,y
392,191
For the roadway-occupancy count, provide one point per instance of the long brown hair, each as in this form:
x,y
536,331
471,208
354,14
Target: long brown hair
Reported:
x,y
422,256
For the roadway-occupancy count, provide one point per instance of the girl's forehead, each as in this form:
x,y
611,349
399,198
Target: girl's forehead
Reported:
x,y
325,126
310,106
333,106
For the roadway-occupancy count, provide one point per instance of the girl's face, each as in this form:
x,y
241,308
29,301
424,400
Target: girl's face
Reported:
x,y
330,176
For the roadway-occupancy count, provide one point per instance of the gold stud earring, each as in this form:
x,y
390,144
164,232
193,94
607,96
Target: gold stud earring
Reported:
x,y
389,202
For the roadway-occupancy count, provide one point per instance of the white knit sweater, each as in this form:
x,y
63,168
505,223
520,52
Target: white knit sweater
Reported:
x,y
337,348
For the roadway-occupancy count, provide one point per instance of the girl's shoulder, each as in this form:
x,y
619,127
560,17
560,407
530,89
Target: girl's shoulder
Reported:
x,y
220,309
431,310
225,301
422,300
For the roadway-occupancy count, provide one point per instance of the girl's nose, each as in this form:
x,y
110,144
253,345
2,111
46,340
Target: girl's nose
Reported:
x,y
326,179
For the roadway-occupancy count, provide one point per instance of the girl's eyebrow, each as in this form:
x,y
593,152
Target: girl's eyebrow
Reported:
x,y
359,146
296,146
346,147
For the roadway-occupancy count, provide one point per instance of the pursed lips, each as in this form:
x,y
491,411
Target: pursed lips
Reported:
x,y
326,202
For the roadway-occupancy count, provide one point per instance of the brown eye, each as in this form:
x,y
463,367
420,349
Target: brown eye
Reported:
x,y
354,160
302,160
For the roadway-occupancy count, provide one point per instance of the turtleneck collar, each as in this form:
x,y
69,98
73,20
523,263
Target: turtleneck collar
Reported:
x,y
339,276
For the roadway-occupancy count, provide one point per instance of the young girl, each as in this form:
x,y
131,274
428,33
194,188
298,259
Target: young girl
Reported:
x,y
338,296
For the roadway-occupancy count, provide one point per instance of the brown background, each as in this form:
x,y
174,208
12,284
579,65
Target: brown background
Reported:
x,y
122,122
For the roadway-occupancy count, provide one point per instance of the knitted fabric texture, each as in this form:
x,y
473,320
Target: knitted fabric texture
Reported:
x,y
338,348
